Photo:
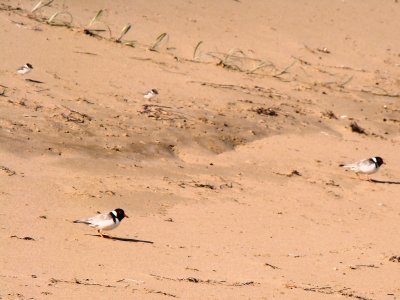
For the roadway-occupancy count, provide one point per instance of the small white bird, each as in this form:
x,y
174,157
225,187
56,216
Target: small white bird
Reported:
x,y
150,94
105,221
366,166
25,69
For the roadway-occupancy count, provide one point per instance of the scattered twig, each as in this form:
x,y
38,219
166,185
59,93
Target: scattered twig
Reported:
x,y
130,280
345,68
285,70
271,266
77,281
205,185
383,94
26,238
256,90
291,174
355,267
208,281
150,291
328,290
83,52
160,112
75,116
342,84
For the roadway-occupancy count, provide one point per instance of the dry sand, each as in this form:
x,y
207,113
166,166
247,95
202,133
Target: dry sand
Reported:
x,y
207,170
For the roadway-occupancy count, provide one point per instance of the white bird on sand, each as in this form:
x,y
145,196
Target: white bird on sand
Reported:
x,y
366,166
25,69
105,221
150,94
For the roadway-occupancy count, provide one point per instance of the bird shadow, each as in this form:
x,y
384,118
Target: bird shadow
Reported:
x,y
384,181
120,239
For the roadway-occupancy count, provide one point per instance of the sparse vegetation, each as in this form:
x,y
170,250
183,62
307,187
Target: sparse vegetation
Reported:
x,y
123,32
52,20
161,40
196,52
41,4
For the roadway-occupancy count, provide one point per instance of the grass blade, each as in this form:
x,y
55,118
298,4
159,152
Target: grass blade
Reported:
x,y
96,17
41,4
60,23
196,52
123,32
159,39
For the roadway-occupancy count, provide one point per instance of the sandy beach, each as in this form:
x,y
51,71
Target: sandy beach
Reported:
x,y
230,176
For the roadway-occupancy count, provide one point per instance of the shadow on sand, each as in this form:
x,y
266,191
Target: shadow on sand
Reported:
x,y
384,181
122,239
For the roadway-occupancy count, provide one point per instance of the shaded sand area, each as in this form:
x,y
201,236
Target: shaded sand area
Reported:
x,y
230,176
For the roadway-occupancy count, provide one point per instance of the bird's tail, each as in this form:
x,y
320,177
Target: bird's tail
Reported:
x,y
81,221
348,166
352,167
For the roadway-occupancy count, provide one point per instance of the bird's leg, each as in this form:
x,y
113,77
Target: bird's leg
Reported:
x,y
103,235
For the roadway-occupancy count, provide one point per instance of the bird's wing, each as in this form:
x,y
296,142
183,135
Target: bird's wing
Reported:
x,y
352,166
101,220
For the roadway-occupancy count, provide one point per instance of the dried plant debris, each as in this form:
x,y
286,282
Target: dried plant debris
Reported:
x,y
160,112
329,114
357,128
208,281
3,92
26,238
8,171
75,116
266,111
328,290
87,281
291,174
271,266
324,50
395,258
356,267
205,185
151,291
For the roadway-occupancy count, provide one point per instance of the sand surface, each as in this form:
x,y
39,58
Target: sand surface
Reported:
x,y
230,176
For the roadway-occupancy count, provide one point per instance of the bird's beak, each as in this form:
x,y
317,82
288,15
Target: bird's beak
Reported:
x,y
126,216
